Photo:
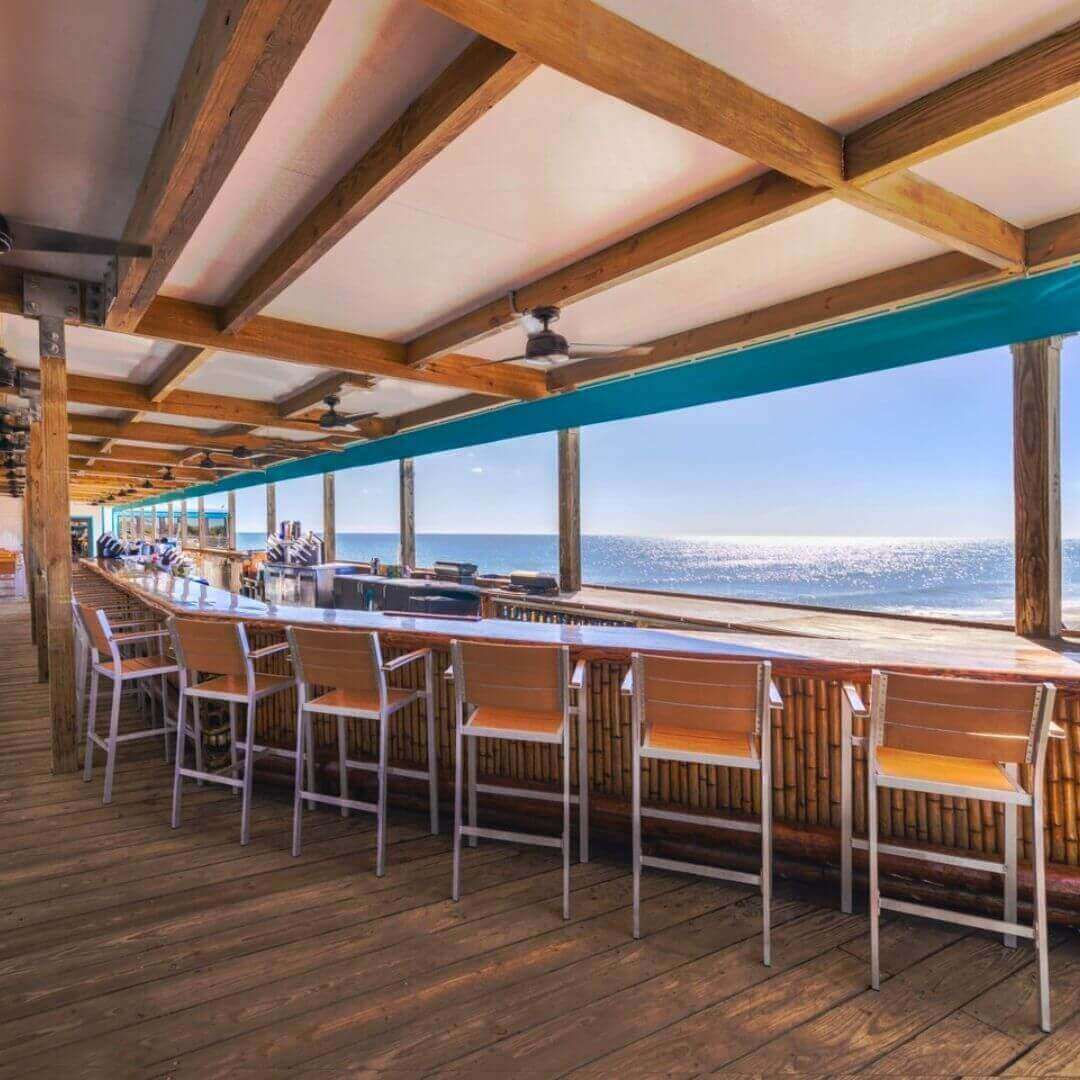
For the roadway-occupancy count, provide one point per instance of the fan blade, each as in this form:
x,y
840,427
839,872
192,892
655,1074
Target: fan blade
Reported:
x,y
581,351
358,417
27,237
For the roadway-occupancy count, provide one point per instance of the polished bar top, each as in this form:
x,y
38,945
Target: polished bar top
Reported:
x,y
973,652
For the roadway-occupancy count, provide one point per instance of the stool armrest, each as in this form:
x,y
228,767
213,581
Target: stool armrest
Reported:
x,y
854,700
408,658
267,650
577,680
776,699
627,687
1056,730
123,639
132,622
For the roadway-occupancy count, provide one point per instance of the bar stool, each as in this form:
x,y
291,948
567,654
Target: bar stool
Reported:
x,y
122,670
962,738
220,650
348,665
519,693
705,712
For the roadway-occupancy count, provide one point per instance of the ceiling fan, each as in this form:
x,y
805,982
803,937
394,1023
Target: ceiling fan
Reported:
x,y
333,419
19,236
544,348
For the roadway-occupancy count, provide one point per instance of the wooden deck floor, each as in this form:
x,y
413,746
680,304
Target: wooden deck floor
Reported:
x,y
127,949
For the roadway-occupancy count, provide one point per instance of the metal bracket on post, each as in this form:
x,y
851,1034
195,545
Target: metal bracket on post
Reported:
x,y
51,335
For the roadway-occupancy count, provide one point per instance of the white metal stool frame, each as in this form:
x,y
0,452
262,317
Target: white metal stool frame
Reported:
x,y
307,707
195,691
1042,729
768,698
465,731
120,670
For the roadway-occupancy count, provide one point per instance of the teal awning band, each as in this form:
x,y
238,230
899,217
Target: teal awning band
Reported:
x,y
1017,310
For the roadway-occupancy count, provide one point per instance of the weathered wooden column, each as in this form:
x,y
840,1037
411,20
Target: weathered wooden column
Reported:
x,y
570,510
271,510
406,513
56,530
1037,485
35,459
202,522
28,567
183,521
329,518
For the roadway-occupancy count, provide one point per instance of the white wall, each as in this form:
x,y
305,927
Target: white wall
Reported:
x,y
10,522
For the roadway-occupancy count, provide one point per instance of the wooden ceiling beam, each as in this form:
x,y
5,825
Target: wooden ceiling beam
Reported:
x,y
1011,89
182,361
749,206
444,410
242,53
313,393
171,435
185,322
865,296
921,206
588,43
601,49
136,471
477,80
1054,243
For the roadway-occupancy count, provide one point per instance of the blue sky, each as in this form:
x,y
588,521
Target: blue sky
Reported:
x,y
918,451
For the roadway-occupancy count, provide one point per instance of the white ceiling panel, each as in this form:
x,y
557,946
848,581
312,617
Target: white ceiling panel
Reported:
x,y
845,62
85,88
363,65
239,375
1027,173
554,172
183,421
89,351
827,245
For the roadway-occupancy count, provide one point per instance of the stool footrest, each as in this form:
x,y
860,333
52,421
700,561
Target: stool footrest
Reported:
x,y
524,793
391,770
703,819
978,922
511,837
337,800
986,865
701,870
213,777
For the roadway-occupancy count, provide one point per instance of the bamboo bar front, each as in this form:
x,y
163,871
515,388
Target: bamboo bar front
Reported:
x,y
806,750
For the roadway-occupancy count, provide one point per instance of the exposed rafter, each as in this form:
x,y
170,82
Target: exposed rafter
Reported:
x,y
727,216
601,49
1016,87
478,79
906,284
314,392
241,56
182,361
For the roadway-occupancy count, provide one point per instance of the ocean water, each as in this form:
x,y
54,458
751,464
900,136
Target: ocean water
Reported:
x,y
959,578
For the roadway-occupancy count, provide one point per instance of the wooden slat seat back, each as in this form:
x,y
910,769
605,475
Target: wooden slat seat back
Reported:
x,y
337,659
90,617
210,647
529,678
987,721
701,695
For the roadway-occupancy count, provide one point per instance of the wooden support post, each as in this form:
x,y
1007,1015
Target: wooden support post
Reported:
x,y
329,518
183,521
28,570
570,510
271,510
202,523
1037,485
407,513
56,529
35,460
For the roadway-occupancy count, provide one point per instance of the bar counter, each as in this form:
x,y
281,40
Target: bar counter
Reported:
x,y
809,669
